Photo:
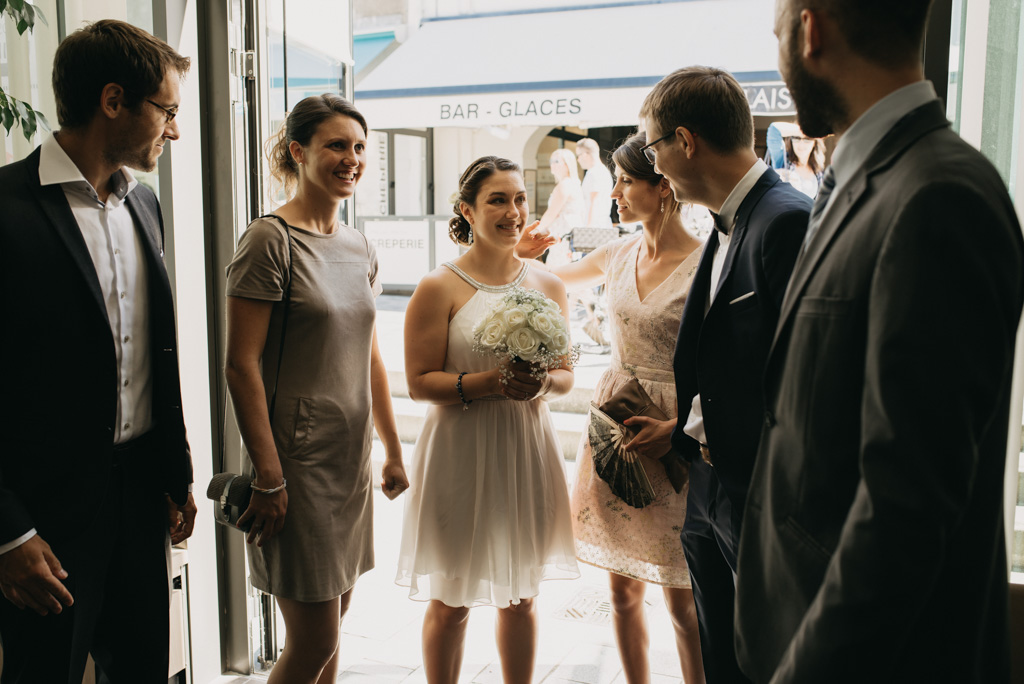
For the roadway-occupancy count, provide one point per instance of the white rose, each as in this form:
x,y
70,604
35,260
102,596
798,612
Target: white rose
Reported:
x,y
524,343
492,332
543,324
559,342
552,308
514,318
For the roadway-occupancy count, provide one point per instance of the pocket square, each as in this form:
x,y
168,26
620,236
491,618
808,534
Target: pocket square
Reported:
x,y
742,297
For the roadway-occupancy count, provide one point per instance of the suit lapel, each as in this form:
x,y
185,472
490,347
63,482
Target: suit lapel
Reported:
x,y
55,207
145,214
767,180
905,133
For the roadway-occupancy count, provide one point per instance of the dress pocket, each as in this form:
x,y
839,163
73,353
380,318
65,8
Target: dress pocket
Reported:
x,y
302,430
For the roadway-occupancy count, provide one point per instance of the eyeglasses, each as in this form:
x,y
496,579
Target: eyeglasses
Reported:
x,y
169,112
650,152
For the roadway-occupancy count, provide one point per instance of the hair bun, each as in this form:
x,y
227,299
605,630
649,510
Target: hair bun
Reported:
x,y
459,228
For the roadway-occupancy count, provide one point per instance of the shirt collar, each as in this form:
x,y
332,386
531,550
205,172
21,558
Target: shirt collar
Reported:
x,y
57,168
860,140
731,205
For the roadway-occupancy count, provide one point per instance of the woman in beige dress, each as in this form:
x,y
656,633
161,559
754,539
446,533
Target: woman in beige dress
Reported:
x,y
647,276
304,399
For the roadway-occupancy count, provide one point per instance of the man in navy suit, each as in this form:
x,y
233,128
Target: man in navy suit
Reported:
x,y
702,139
95,471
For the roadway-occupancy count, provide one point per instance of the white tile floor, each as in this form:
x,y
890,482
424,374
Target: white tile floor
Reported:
x,y
381,634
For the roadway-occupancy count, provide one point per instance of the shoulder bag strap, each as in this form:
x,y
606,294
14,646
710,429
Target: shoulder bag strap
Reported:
x,y
284,317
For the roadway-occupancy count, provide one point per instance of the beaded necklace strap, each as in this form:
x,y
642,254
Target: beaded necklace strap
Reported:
x,y
489,288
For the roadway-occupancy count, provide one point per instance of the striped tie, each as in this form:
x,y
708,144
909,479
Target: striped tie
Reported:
x,y
820,202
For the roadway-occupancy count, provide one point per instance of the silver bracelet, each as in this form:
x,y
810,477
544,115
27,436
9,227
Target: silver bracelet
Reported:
x,y
272,490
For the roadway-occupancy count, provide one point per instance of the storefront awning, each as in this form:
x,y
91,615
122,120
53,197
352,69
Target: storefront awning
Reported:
x,y
580,67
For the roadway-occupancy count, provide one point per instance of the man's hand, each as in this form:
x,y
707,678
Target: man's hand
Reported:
x,y
533,243
654,438
181,520
30,577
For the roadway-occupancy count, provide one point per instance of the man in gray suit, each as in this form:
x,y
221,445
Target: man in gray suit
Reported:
x,y
873,547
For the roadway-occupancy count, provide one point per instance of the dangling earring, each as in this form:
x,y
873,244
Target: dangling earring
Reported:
x,y
469,238
662,205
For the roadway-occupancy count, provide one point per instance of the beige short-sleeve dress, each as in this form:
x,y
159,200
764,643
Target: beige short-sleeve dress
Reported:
x,y
322,423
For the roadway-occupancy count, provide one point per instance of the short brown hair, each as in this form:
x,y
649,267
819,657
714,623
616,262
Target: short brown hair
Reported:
x,y
109,51
880,31
708,101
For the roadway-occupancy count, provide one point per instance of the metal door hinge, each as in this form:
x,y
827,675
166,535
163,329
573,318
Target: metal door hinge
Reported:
x,y
248,64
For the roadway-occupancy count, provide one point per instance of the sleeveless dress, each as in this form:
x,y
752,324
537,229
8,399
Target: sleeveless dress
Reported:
x,y
487,512
322,424
642,543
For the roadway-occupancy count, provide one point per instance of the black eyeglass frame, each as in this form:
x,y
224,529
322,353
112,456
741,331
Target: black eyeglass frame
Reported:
x,y
169,112
648,150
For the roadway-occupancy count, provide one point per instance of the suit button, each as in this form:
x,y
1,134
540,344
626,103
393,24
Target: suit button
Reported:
x,y
769,419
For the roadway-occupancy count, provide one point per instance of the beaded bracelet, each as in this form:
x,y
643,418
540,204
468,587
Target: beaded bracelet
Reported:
x,y
458,386
272,490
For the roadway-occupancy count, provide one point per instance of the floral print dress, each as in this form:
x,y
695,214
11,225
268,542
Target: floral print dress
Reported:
x,y
642,543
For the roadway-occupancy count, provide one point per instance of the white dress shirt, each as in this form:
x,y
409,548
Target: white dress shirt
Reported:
x,y
694,426
116,251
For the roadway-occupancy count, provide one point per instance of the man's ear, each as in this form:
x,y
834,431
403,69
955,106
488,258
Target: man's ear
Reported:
x,y
810,33
112,100
686,138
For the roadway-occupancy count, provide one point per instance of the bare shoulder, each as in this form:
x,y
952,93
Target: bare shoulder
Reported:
x,y
545,281
440,282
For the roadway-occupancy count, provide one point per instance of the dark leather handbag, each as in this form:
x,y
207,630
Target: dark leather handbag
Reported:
x,y
231,492
632,400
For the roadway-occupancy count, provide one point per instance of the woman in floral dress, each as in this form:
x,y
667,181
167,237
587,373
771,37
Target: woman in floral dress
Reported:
x,y
647,276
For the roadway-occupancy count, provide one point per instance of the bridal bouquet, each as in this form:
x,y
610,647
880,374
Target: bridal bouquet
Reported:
x,y
524,325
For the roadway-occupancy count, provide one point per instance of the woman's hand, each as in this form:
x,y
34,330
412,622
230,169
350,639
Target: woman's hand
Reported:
x,y
654,438
523,386
534,242
393,479
267,513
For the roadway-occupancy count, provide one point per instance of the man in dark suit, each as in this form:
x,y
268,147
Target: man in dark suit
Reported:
x,y
702,135
873,547
95,470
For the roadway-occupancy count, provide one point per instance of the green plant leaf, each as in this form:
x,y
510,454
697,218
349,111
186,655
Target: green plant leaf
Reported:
x,y
40,16
16,4
3,6
42,121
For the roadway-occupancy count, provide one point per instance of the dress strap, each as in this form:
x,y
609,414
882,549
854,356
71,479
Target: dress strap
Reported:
x,y
489,288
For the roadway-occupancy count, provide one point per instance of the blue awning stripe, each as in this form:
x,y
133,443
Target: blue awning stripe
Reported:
x,y
591,83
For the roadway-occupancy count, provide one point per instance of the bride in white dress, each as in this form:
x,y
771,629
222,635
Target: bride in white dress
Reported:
x,y
488,512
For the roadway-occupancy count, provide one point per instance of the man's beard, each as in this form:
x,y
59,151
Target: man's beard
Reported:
x,y
820,108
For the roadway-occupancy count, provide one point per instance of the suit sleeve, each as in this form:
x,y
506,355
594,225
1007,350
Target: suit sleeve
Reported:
x,y
942,315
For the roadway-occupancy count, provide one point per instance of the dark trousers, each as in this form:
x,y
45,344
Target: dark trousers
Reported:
x,y
118,574
711,536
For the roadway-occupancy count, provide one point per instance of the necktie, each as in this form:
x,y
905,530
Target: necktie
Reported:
x,y
828,183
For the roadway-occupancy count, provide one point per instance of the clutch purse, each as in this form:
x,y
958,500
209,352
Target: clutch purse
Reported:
x,y
230,494
632,400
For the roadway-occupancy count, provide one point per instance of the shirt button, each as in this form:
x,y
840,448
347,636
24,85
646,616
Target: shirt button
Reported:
x,y
123,294
126,382
126,426
127,337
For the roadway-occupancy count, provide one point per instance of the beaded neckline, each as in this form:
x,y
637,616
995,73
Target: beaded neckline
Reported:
x,y
489,288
